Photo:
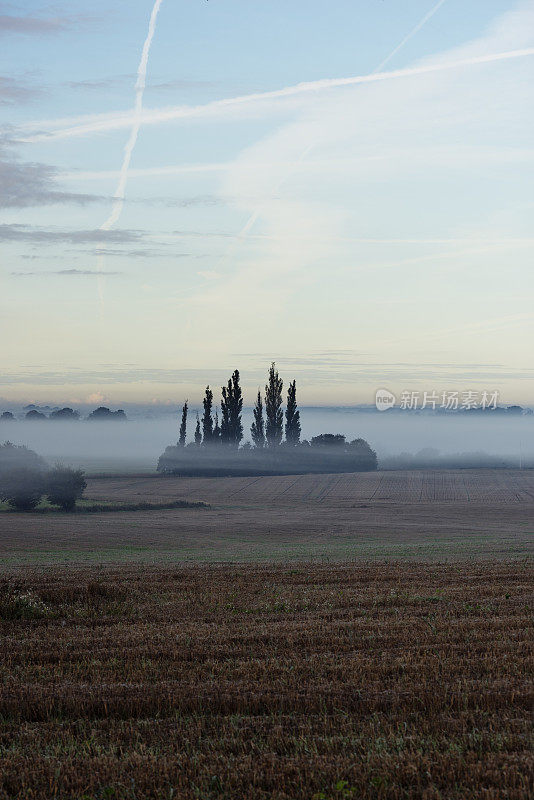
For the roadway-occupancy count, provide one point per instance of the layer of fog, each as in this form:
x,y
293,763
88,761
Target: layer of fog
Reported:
x,y
135,445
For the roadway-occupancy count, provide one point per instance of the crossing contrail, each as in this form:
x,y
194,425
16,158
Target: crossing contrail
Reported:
x,y
65,129
118,197
408,36
255,215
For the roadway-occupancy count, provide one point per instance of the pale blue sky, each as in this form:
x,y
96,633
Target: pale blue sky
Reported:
x,y
373,234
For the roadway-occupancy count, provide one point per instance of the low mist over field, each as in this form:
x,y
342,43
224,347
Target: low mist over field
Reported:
x,y
135,444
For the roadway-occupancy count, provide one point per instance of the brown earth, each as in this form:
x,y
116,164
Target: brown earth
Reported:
x,y
405,514
369,681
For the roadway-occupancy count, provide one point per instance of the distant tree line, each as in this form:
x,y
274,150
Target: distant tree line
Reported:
x,y
67,415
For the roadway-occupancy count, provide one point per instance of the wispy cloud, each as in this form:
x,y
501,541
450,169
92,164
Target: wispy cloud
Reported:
x,y
148,253
31,24
16,90
27,233
120,81
26,184
370,372
146,172
306,213
67,272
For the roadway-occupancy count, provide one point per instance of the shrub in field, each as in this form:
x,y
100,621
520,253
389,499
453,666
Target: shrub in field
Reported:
x,y
26,605
22,487
21,476
64,486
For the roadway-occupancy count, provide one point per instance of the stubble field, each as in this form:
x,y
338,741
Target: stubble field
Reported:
x,y
369,681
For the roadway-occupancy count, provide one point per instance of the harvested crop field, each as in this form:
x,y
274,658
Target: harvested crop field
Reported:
x,y
368,681
431,515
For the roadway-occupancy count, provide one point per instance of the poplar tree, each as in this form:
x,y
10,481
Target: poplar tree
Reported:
x,y
183,426
217,430
273,408
231,409
198,433
257,429
292,416
207,419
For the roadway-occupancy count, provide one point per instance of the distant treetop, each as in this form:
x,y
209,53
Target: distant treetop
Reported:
x,y
67,414
35,415
103,413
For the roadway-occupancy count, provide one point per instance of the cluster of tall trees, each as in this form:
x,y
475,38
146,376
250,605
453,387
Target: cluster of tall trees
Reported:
x,y
268,427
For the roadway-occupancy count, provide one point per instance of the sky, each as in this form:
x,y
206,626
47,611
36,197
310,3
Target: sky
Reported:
x,y
346,189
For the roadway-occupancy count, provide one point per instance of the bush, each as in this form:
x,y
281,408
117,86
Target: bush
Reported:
x,y
21,476
64,486
26,605
22,487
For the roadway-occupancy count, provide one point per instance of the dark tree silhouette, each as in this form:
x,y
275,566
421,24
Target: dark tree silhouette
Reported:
x,y
183,426
104,414
207,419
231,408
34,415
67,414
198,433
21,476
257,430
64,486
292,416
273,408
328,440
22,487
7,416
216,430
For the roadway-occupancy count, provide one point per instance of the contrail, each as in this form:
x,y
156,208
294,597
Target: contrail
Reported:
x,y
255,215
155,116
118,202
118,198
408,36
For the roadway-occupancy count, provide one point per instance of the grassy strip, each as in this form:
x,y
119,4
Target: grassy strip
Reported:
x,y
90,507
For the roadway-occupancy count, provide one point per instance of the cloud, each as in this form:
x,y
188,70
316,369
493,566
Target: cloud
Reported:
x,y
116,81
13,91
35,25
25,184
97,397
456,157
95,84
182,202
83,126
374,372
405,148
179,84
75,272
101,251
174,169
27,233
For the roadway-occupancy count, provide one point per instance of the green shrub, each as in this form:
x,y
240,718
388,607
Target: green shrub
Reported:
x,y
64,486
26,605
